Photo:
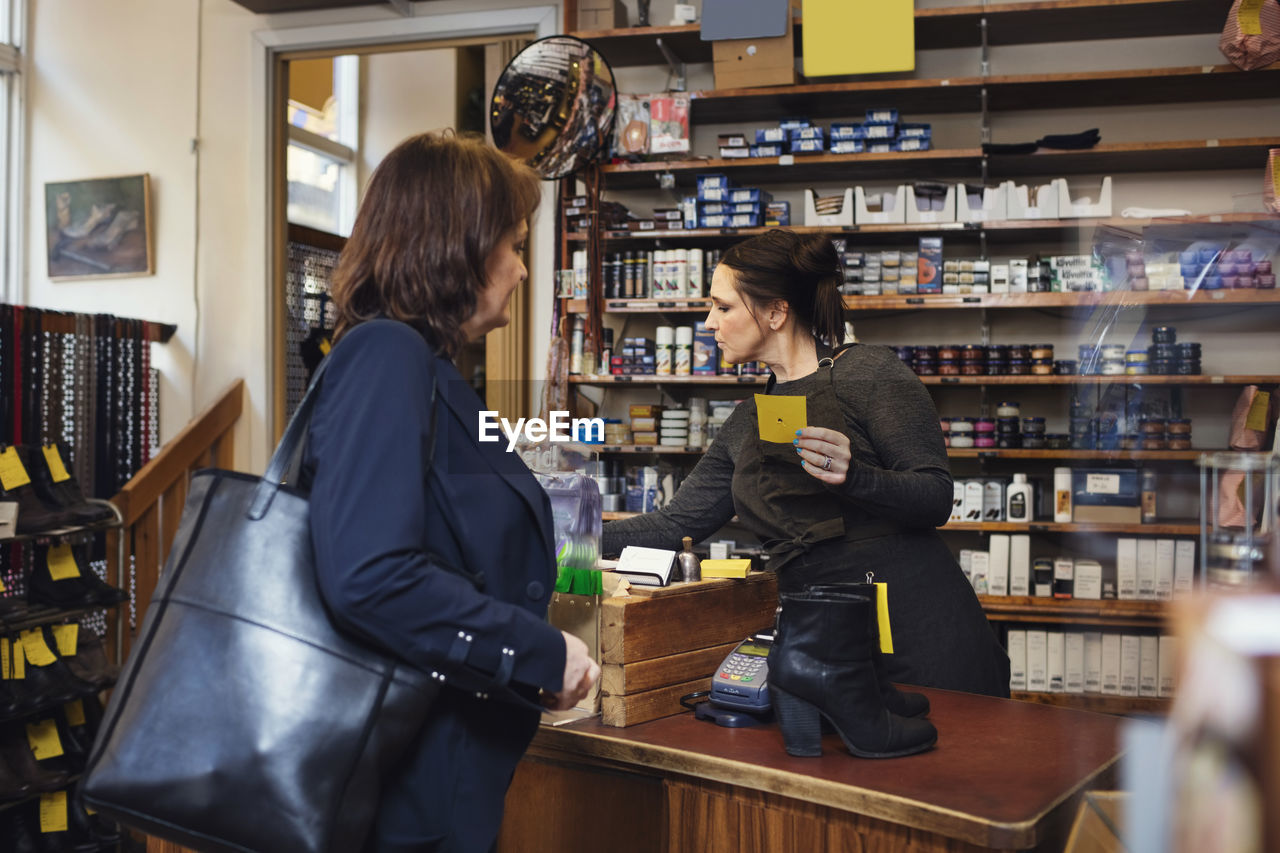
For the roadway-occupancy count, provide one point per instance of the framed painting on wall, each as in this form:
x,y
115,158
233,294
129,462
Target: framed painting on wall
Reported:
x,y
99,227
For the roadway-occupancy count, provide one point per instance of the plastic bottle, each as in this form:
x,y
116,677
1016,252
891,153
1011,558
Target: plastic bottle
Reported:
x,y
575,345
1018,501
683,351
695,274
1062,495
679,264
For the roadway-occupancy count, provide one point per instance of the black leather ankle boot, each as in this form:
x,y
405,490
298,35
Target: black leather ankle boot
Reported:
x,y
900,702
820,666
64,494
84,590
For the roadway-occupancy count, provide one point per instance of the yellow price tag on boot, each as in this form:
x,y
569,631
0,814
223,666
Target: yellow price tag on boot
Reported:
x,y
52,458
6,666
19,661
882,616
44,740
53,812
37,650
75,713
12,472
67,638
62,563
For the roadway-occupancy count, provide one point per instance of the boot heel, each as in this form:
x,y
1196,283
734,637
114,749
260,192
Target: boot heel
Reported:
x,y
800,723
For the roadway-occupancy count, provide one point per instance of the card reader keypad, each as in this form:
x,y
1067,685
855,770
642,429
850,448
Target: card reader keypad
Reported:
x,y
741,667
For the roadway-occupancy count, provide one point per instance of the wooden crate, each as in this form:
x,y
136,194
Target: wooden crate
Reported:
x,y
661,643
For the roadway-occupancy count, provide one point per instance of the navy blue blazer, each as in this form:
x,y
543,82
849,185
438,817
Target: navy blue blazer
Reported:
x,y
449,565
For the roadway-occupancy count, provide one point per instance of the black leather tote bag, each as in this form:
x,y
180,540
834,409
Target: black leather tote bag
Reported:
x,y
243,720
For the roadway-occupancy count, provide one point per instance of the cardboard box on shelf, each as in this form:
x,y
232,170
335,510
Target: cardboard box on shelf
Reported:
x,y
601,15
747,63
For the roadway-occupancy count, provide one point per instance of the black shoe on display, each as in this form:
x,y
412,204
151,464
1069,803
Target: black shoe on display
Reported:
x,y
820,665
34,515
83,589
12,786
65,493
901,702
16,752
15,833
90,663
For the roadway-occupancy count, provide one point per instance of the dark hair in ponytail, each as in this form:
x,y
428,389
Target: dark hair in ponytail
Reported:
x,y
803,270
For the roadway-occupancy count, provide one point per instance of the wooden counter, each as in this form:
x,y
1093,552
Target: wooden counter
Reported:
x,y
1004,775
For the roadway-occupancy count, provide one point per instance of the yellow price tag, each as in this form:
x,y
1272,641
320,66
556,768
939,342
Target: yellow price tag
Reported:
x,y
75,713
19,662
882,615
53,812
44,740
6,668
1250,17
67,638
1257,417
12,472
53,459
62,563
325,346
37,651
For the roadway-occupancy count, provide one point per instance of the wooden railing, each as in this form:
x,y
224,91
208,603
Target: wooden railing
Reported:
x,y
151,504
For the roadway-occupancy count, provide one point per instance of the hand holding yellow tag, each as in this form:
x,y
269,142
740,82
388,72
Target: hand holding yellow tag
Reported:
x,y
53,812
53,459
62,563
12,472
44,740
779,416
37,651
67,637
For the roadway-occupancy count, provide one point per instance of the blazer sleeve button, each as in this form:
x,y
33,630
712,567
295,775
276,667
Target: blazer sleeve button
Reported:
x,y
535,590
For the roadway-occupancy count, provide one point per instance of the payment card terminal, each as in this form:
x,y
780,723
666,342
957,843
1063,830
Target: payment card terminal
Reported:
x,y
742,681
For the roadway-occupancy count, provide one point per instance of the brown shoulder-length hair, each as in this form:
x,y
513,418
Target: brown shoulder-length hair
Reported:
x,y
803,270
434,211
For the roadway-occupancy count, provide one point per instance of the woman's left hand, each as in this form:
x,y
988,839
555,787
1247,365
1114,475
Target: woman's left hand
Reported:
x,y
825,453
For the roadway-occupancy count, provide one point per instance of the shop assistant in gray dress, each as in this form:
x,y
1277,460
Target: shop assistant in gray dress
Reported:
x,y
881,519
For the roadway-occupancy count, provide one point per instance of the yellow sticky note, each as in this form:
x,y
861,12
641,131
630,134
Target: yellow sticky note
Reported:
x,y
882,614
1257,417
67,637
858,36
1250,17
37,651
53,812
44,740
12,472
53,459
75,713
62,563
779,416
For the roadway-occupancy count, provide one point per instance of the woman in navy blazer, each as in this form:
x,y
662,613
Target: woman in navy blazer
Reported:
x,y
428,542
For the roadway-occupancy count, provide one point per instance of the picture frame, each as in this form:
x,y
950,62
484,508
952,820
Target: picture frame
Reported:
x,y
99,228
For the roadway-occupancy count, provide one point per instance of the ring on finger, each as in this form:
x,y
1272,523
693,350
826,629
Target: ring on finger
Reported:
x,y
826,466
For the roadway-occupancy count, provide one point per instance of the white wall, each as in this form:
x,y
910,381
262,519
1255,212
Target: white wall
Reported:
x,y
402,94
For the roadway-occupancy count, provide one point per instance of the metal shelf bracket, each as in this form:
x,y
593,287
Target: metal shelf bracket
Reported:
x,y
676,64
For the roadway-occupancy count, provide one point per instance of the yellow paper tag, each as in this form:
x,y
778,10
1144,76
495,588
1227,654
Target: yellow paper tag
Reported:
x,y
325,346
1250,17
779,416
19,662
67,637
62,563
12,473
37,651
53,459
53,812
44,740
882,615
6,668
75,713
1257,417
1275,170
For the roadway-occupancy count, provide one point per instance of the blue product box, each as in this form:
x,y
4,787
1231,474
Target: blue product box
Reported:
x,y
912,144
770,134
848,146
882,116
879,147
772,149
713,194
790,124
744,207
778,214
808,133
915,129
841,130
1104,487
710,181
807,146
704,349
729,220
741,194
880,131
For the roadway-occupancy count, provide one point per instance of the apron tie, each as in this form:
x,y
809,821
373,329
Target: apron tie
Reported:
x,y
783,551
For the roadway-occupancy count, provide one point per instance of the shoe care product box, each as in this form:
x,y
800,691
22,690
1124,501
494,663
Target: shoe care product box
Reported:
x,y
1018,275
1148,666
1088,580
929,265
1092,661
974,491
993,500
981,204
1020,564
1130,664
957,501
1111,664
1056,660
998,564
1164,569
880,206
1063,577
1105,495
979,563
1146,569
1081,207
1184,566
1073,679
965,559
1037,661
1165,665
1016,640
1031,202
837,216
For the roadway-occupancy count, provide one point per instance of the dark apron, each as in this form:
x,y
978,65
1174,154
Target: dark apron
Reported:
x,y
941,636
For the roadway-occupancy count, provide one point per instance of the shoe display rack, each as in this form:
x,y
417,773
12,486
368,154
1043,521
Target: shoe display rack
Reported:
x,y
53,668
978,27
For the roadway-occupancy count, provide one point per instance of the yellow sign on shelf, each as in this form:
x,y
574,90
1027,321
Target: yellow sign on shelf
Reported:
x,y
858,37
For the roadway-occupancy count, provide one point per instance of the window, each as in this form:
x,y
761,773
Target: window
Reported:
x,y
323,119
12,25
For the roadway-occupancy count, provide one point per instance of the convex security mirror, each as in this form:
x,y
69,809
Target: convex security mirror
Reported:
x,y
553,106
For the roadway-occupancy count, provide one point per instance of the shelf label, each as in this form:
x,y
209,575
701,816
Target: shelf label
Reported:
x,y
944,82
971,299
1215,218
950,380
1211,143
914,300
1206,69
1217,380
1102,484
1037,528
1218,294
666,305
622,379
787,160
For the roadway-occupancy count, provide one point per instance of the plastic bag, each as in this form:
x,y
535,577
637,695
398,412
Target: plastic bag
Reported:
x,y
1251,37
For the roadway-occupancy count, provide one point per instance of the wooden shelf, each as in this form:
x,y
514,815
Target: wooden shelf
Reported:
x,y
1083,455
957,164
1170,528
1022,608
957,26
647,379
1183,84
1205,379
1098,702
665,450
